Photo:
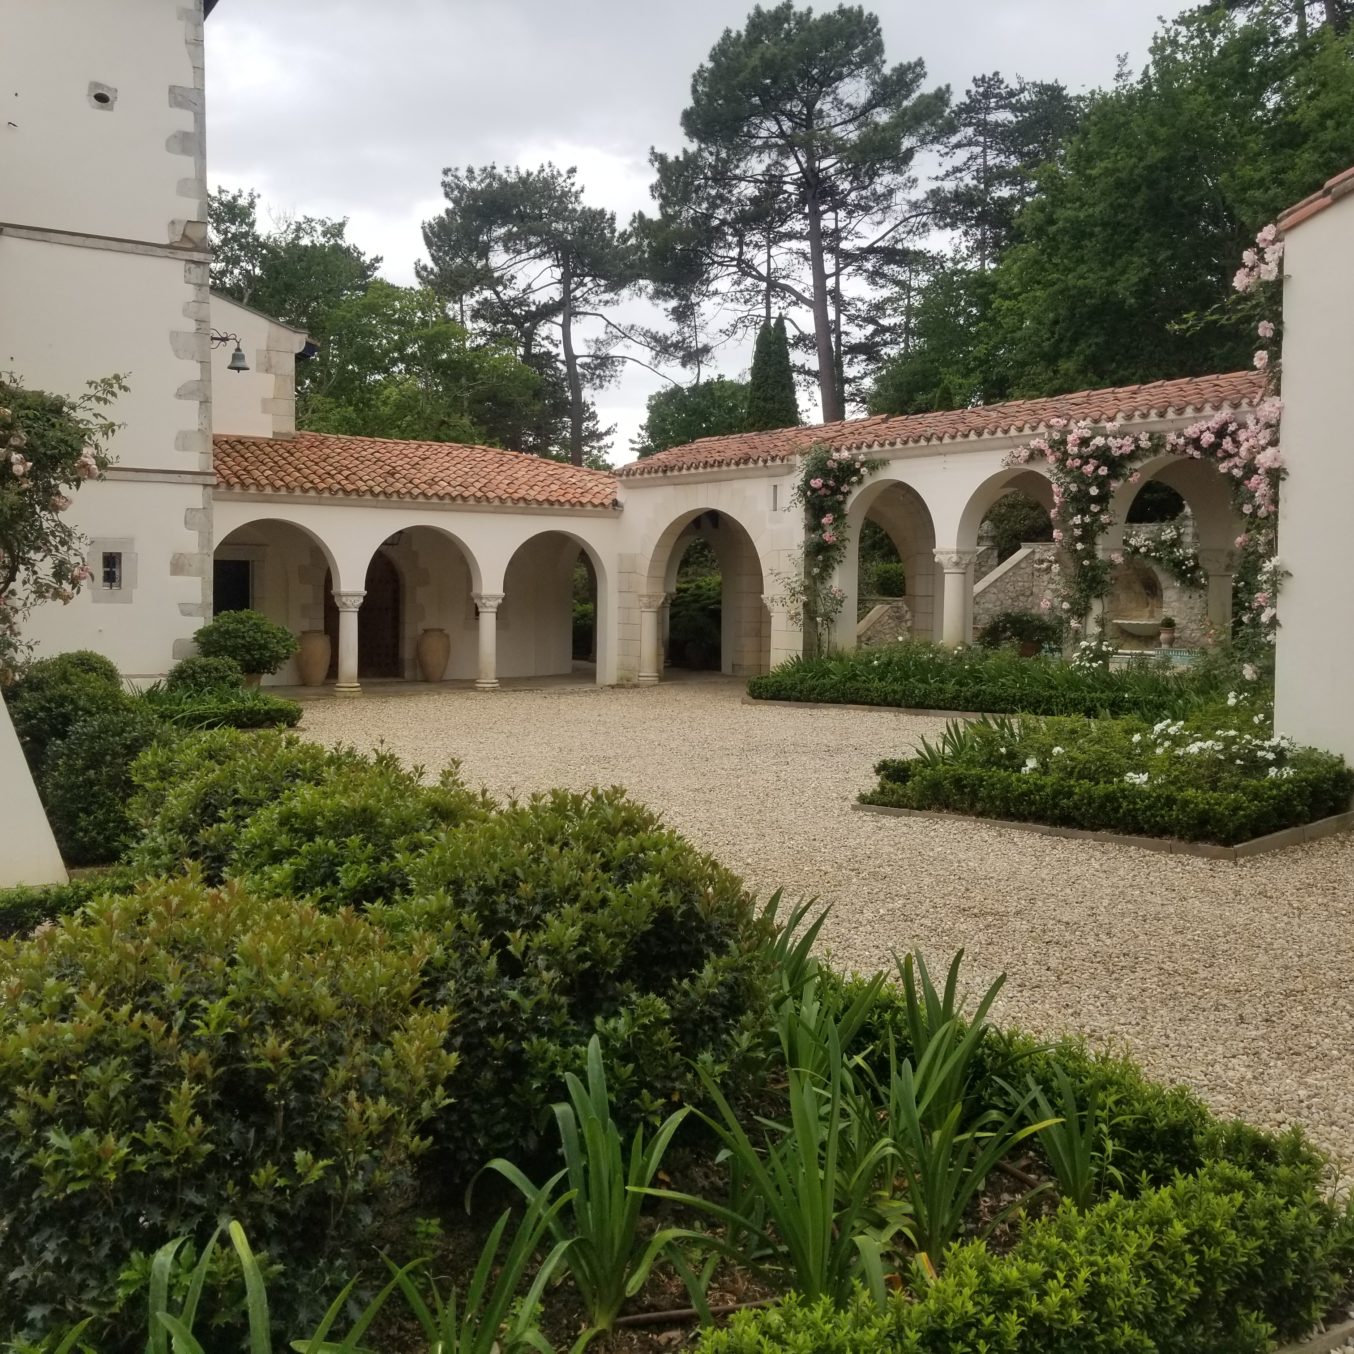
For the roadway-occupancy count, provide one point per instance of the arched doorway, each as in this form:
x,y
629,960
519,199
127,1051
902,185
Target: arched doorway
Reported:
x,y
552,621
704,591
378,622
889,574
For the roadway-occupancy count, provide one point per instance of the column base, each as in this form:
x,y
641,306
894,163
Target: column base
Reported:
x,y
341,689
647,679
481,685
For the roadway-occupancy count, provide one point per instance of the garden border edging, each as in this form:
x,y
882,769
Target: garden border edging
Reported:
x,y
877,709
1326,1341
1274,841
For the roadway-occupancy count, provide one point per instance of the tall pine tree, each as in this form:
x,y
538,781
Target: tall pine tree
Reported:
x,y
771,387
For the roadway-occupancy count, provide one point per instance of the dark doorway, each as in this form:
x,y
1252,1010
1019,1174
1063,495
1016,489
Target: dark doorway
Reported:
x,y
232,585
378,622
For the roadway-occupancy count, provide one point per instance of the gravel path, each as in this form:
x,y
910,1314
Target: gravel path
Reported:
x,y
1233,978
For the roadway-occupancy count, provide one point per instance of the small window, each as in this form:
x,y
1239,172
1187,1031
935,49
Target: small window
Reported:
x,y
112,569
775,498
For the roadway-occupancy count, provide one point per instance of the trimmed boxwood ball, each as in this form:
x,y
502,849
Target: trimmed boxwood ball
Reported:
x,y
352,839
193,799
569,915
202,673
257,644
55,694
183,1055
87,781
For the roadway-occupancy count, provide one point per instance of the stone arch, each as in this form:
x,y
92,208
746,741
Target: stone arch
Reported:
x,y
745,622
904,515
538,582
1016,479
278,567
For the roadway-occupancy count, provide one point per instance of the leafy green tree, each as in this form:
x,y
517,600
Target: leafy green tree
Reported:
x,y
299,273
1139,226
394,365
530,259
802,142
680,414
771,401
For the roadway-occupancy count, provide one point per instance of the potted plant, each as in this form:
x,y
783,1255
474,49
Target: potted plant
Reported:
x,y
1028,630
1166,635
257,644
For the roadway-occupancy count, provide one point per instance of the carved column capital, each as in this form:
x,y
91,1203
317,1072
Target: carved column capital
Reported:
x,y
487,601
652,601
348,601
955,561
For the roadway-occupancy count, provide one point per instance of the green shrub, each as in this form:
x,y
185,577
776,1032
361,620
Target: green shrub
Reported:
x,y
888,579
200,674
571,915
193,799
351,839
179,1054
1020,627
55,694
1217,1263
585,621
87,781
694,622
257,644
246,708
929,677
29,906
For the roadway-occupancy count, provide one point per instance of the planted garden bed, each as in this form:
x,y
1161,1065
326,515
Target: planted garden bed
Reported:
x,y
1220,777
928,677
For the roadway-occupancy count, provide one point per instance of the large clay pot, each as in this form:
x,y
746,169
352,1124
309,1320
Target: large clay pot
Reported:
x,y
312,658
433,651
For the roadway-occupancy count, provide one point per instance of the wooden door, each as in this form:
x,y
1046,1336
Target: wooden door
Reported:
x,y
378,622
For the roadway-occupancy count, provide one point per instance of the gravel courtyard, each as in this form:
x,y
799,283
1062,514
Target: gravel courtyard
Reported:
x,y
1233,978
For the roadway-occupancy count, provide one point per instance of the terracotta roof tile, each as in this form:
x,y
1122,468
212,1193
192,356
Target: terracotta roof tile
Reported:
x,y
1319,201
1195,394
371,467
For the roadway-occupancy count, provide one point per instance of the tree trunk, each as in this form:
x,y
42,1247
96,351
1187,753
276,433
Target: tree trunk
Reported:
x,y
566,324
828,394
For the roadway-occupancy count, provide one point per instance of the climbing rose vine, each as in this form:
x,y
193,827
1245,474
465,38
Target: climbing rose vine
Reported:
x,y
1089,462
826,481
49,445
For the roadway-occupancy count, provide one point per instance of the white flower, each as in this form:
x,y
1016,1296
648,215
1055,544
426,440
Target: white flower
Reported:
x,y
1248,671
1136,777
1058,752
1137,738
1232,698
1031,764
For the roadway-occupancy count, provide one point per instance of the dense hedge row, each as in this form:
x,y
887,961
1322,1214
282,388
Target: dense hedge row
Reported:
x,y
1216,1263
81,731
1224,818
929,677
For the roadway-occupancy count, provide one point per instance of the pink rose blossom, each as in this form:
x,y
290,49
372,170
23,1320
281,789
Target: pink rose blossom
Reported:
x,y
827,519
1261,360
1265,329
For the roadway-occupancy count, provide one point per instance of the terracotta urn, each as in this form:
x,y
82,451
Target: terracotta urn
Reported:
x,y
312,658
432,651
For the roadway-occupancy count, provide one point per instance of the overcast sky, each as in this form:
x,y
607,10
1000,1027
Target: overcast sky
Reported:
x,y
352,108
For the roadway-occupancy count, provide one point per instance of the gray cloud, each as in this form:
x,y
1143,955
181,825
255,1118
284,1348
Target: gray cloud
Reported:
x,y
352,108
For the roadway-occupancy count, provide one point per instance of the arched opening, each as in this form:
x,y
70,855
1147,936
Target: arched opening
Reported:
x,y
276,568
706,576
1008,525
552,620
891,557
1177,520
379,622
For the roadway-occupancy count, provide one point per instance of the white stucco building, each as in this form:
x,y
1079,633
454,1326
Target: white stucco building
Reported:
x,y
216,500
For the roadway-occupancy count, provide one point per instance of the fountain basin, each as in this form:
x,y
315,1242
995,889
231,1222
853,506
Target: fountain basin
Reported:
x,y
1140,629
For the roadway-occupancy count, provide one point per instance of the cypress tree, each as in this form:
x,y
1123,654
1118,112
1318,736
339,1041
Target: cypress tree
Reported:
x,y
771,387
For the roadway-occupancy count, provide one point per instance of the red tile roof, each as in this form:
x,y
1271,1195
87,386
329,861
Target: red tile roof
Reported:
x,y
1193,395
1319,201
373,467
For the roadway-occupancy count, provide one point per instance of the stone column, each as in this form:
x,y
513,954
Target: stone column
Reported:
x,y
1219,565
651,605
348,604
665,632
957,598
487,603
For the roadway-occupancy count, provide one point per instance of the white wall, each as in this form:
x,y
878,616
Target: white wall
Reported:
x,y
102,271
1316,605
260,402
73,164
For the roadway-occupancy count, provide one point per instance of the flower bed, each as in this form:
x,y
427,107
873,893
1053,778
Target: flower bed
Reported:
x,y
929,677
1213,778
